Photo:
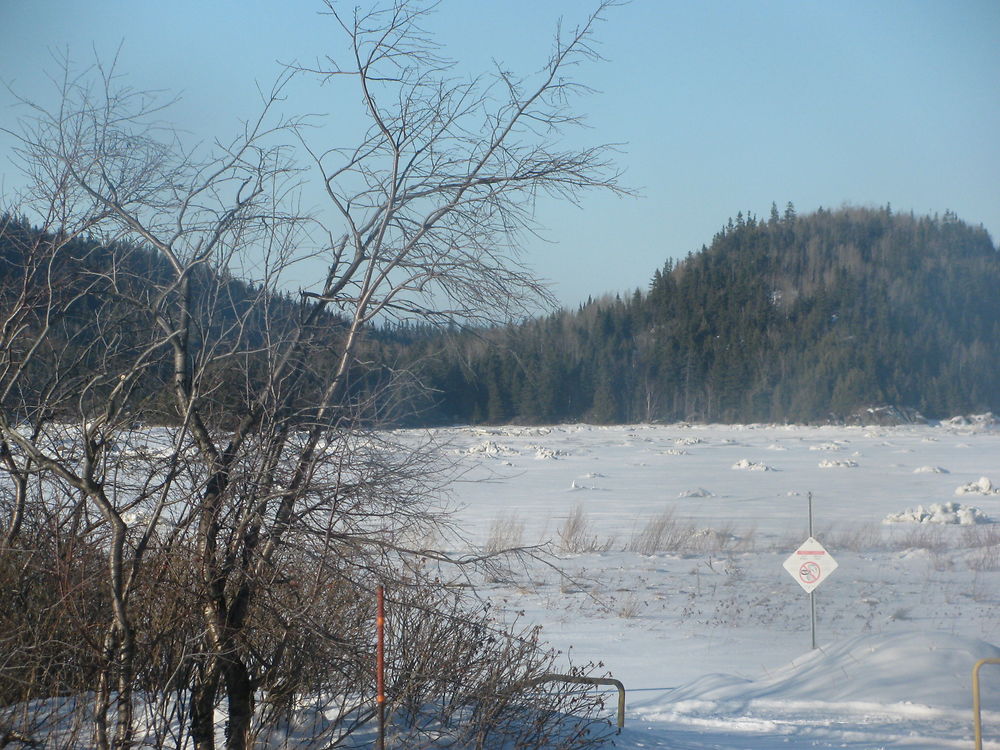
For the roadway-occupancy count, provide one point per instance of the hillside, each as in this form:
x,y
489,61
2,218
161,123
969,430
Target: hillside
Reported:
x,y
794,318
76,313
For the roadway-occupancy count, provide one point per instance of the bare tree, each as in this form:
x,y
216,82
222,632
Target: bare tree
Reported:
x,y
223,556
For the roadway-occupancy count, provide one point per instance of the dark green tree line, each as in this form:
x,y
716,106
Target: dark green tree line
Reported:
x,y
797,318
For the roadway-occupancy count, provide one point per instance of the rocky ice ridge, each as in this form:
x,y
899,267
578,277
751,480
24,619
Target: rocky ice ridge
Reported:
x,y
944,513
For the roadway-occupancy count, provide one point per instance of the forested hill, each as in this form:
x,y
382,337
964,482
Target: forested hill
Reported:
x,y
74,310
793,318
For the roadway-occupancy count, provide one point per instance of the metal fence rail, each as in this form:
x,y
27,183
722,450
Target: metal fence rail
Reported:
x,y
977,719
579,680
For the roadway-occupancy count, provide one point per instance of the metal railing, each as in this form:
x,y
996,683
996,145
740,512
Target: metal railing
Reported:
x,y
580,680
977,719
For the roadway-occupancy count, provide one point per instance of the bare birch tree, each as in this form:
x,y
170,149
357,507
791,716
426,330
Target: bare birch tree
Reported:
x,y
221,559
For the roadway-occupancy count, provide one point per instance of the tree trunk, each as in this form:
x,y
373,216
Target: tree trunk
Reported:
x,y
102,697
205,684
124,728
239,690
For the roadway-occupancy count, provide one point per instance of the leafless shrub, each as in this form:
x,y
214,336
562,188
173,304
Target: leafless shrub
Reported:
x,y
630,607
983,541
855,538
506,533
661,534
53,599
981,535
451,668
744,540
665,533
221,568
577,537
930,537
716,541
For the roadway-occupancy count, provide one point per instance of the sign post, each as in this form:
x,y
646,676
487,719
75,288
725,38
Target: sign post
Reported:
x,y
812,593
810,565
380,663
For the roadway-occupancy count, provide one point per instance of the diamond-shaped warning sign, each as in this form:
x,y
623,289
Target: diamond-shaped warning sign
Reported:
x,y
810,564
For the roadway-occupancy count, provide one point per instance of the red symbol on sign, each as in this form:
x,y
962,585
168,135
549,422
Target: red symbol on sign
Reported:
x,y
809,572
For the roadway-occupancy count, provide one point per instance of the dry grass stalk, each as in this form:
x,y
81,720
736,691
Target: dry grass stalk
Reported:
x,y
576,537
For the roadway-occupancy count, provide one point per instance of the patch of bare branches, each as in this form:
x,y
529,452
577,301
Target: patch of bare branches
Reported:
x,y
222,560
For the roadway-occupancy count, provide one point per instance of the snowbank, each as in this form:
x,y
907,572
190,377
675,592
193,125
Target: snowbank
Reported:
x,y
490,448
982,421
939,513
826,447
745,464
929,668
697,492
545,454
982,486
828,464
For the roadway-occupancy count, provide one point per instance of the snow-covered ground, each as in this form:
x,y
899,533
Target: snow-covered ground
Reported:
x,y
709,633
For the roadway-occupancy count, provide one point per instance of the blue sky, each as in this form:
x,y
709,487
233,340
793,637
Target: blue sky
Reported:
x,y
721,106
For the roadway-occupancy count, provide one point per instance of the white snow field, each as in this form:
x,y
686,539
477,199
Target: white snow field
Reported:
x,y
672,540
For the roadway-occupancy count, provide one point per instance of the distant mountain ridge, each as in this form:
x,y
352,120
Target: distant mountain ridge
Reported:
x,y
794,318
88,302
829,316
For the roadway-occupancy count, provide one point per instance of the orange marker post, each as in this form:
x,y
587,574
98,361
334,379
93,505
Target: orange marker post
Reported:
x,y
380,664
